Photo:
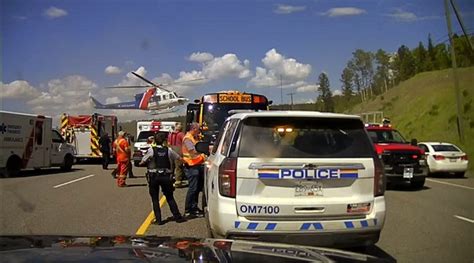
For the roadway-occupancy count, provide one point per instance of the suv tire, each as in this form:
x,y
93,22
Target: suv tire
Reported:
x,y
418,183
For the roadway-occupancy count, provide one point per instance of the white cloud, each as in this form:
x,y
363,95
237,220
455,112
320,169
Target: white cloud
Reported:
x,y
337,92
112,100
200,57
212,68
288,9
277,65
226,66
112,70
18,89
404,16
132,80
163,79
193,78
69,94
344,11
47,99
308,88
54,12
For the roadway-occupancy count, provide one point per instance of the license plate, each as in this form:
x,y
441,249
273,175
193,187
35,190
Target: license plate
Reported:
x,y
309,189
453,160
408,173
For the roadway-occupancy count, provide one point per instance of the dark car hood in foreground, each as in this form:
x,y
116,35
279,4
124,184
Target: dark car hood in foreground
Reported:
x,y
161,249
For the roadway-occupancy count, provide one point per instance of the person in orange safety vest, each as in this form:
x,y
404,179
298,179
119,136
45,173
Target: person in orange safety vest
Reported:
x,y
122,150
194,169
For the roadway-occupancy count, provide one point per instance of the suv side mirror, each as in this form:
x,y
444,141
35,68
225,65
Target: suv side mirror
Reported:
x,y
203,147
414,142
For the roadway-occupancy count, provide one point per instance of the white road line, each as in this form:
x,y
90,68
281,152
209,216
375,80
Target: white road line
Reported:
x,y
73,181
464,218
457,185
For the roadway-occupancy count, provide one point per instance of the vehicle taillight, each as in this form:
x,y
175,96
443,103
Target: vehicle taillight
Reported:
x,y
439,157
228,177
464,157
379,178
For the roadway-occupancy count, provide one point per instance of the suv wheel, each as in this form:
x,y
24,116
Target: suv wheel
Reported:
x,y
418,183
459,175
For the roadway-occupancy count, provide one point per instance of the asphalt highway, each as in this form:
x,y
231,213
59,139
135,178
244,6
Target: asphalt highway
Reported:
x,y
434,224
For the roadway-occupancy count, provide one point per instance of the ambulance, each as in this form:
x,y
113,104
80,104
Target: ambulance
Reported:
x,y
146,129
28,141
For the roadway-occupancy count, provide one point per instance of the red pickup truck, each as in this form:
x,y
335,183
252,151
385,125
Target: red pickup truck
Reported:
x,y
402,161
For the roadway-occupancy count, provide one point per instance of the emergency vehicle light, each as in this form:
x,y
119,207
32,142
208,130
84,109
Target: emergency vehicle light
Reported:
x,y
259,99
378,125
283,129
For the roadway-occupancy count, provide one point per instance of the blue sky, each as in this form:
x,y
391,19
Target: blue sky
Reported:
x,y
59,46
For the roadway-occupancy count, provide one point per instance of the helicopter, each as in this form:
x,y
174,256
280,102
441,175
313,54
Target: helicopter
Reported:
x,y
155,100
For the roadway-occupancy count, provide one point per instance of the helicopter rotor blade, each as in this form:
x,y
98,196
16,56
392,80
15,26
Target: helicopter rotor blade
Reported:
x,y
146,80
129,87
181,82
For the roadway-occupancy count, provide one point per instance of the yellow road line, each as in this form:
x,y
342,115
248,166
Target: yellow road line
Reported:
x,y
144,227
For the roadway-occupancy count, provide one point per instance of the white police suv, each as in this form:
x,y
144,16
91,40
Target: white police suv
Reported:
x,y
295,177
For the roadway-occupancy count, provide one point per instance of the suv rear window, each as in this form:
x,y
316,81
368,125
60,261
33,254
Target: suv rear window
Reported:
x,y
303,137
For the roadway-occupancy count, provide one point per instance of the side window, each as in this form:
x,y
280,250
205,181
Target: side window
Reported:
x,y
165,97
158,97
227,140
39,133
56,137
219,138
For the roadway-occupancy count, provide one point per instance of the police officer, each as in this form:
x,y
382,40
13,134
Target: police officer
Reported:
x,y
104,143
160,160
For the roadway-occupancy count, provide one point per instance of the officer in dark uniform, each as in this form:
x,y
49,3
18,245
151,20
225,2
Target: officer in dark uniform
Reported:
x,y
104,143
160,161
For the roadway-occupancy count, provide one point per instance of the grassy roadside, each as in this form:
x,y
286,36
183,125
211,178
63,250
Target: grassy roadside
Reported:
x,y
424,107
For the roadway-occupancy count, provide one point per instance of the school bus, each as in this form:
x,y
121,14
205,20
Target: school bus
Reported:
x,y
212,109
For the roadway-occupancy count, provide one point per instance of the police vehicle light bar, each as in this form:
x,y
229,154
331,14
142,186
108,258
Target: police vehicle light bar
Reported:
x,y
378,125
283,129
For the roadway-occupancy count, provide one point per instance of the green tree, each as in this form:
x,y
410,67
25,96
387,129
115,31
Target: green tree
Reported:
x,y
362,66
405,63
382,75
464,54
431,64
421,57
443,60
325,94
347,80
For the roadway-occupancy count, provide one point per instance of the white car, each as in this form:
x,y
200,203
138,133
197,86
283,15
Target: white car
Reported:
x,y
445,157
295,177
